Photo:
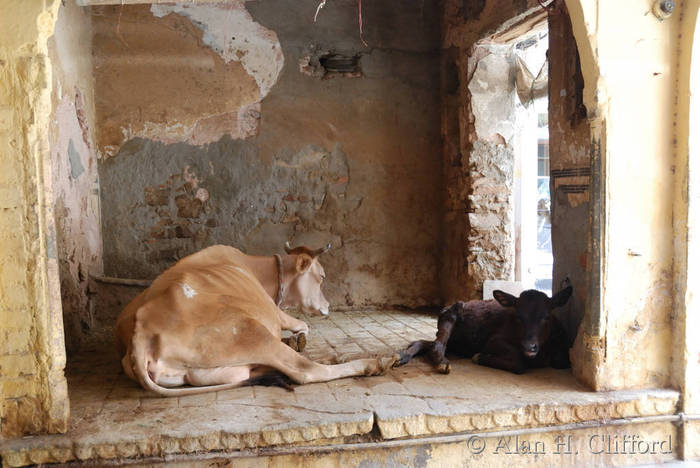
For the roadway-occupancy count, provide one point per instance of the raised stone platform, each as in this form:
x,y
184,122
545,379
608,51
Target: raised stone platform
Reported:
x,y
114,420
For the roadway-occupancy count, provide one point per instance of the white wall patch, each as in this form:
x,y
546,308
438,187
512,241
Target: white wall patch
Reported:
x,y
233,34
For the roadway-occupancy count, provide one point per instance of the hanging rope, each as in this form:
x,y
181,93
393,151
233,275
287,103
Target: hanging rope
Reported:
x,y
359,17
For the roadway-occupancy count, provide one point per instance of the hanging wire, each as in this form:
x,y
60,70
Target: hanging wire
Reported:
x,y
320,5
359,17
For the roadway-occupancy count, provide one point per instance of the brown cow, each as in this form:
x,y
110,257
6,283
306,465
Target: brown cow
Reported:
x,y
210,321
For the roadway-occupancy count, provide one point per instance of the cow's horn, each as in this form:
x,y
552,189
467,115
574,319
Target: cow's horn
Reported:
x,y
287,247
318,252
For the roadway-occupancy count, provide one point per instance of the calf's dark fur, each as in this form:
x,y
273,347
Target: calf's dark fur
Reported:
x,y
510,333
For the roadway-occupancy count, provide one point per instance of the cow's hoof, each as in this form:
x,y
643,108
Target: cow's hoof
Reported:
x,y
444,367
387,362
475,358
301,342
296,341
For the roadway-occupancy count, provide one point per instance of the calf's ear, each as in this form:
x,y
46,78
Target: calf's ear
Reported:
x,y
503,298
562,297
304,263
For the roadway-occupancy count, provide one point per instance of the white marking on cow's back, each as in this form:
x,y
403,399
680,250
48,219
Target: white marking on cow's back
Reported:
x,y
188,290
234,330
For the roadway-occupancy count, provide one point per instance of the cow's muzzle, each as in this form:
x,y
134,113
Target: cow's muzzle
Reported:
x,y
530,350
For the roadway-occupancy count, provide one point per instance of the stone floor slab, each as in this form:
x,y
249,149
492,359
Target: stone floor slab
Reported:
x,y
112,417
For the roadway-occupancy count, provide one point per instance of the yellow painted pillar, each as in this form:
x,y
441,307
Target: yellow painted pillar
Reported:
x,y
628,61
33,391
643,310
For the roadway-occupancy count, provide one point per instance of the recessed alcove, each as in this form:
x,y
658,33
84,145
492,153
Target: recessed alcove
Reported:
x,y
179,126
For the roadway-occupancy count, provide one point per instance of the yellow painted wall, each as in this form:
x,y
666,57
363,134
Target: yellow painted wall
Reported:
x,y
629,62
33,394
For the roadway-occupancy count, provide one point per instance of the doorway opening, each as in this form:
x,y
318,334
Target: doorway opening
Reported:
x,y
532,223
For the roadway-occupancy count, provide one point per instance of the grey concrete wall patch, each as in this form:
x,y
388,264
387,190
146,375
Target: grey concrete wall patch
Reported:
x,y
76,166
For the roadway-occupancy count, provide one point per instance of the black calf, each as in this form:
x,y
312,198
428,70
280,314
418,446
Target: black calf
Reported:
x,y
510,333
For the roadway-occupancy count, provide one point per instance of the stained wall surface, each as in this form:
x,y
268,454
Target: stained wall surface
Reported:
x,y
686,368
74,169
625,340
570,166
33,390
251,153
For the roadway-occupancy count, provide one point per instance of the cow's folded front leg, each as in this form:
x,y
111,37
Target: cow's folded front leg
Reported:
x,y
437,356
445,325
294,325
298,328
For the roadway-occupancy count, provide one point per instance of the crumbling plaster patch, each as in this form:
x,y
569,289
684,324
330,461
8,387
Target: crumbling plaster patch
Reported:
x,y
490,209
219,65
74,181
380,209
223,193
231,32
77,213
492,103
465,24
189,208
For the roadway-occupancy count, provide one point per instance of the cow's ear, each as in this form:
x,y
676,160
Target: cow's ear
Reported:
x,y
304,262
503,298
562,297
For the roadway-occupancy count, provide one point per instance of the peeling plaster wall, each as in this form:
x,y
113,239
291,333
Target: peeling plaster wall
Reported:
x,y
350,160
570,166
172,73
625,338
491,162
74,169
477,125
33,390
